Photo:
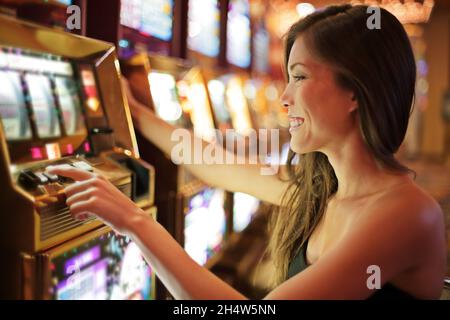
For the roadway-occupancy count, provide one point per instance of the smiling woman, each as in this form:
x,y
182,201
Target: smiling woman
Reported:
x,y
349,95
350,206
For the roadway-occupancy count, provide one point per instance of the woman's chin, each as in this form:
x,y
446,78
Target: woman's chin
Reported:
x,y
300,147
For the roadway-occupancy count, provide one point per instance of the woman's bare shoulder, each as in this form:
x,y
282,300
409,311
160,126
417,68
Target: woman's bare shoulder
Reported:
x,y
412,204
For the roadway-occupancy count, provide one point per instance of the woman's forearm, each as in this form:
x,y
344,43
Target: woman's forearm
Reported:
x,y
245,177
181,275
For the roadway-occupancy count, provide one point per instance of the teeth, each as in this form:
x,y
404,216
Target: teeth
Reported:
x,y
296,122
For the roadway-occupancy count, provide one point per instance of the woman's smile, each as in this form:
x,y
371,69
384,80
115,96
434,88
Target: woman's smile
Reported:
x,y
295,123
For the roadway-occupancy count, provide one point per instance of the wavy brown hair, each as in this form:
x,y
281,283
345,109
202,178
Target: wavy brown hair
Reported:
x,y
378,66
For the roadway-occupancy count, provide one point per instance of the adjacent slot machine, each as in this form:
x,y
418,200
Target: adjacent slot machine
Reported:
x,y
230,103
205,224
61,103
176,90
226,85
145,25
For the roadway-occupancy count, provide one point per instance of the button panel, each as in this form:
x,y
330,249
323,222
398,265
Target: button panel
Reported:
x,y
32,178
83,166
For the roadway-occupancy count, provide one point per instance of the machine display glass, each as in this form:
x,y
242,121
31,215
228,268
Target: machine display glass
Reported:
x,y
239,33
151,17
69,101
261,49
109,267
13,111
216,90
237,104
204,27
165,97
244,208
205,224
195,93
43,105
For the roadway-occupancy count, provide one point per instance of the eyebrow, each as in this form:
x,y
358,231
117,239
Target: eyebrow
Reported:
x,y
292,66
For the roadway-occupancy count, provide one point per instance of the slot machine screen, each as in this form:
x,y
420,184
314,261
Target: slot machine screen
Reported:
x,y
69,101
13,111
205,224
165,97
109,267
217,93
204,27
43,105
150,17
239,33
244,208
261,49
195,93
66,2
238,107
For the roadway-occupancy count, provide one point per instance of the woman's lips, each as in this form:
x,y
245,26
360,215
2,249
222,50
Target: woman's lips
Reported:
x,y
295,123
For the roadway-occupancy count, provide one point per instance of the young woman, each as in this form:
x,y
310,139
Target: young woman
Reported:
x,y
350,209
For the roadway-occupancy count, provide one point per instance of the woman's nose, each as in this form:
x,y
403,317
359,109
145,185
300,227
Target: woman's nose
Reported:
x,y
286,101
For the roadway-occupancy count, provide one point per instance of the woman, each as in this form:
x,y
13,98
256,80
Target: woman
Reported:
x,y
350,207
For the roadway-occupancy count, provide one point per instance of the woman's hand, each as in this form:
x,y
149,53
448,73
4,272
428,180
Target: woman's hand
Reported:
x,y
93,194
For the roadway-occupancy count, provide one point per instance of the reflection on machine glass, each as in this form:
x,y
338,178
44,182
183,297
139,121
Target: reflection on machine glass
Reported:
x,y
44,107
13,112
150,17
216,90
205,225
165,97
67,93
109,267
204,27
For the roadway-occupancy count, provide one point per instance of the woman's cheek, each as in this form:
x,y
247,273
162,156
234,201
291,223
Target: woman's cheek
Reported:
x,y
307,94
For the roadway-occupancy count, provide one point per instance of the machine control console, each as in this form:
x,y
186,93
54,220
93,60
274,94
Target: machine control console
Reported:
x,y
33,178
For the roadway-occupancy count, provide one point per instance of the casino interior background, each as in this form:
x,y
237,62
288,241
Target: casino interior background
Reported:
x,y
217,64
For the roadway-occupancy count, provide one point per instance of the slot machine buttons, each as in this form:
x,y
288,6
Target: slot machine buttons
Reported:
x,y
51,177
56,178
42,178
83,166
28,179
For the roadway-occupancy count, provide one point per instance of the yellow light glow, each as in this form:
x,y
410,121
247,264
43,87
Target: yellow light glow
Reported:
x,y
93,104
53,151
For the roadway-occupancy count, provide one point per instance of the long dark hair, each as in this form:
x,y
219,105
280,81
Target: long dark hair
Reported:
x,y
378,66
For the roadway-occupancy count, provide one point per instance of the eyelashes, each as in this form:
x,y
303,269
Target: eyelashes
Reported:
x,y
298,78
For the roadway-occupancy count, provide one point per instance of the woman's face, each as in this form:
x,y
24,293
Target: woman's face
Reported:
x,y
320,111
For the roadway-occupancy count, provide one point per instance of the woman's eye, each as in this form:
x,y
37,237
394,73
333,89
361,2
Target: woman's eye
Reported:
x,y
299,78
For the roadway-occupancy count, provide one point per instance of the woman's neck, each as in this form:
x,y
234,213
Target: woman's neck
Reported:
x,y
357,171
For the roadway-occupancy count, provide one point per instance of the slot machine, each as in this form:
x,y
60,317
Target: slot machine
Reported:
x,y
231,110
61,103
226,85
176,91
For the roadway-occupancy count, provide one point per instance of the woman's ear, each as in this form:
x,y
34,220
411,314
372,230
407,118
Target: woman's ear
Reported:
x,y
353,103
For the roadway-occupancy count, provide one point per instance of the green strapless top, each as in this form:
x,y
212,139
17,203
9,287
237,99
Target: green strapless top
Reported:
x,y
387,292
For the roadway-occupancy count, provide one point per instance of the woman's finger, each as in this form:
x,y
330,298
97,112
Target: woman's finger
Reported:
x,y
70,172
81,196
81,186
84,207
